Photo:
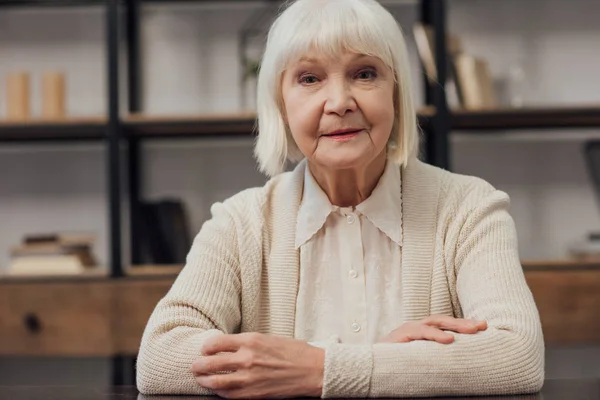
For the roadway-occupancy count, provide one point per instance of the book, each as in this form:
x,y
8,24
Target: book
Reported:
x,y
425,41
476,83
64,264
52,254
82,252
60,238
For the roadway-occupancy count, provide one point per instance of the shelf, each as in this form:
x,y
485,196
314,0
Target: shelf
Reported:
x,y
92,274
42,130
102,273
171,271
142,126
214,125
527,118
383,2
65,3
137,271
566,264
528,265
49,3
209,125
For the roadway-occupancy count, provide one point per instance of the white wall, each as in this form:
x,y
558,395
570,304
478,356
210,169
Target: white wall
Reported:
x,y
556,43
190,63
190,66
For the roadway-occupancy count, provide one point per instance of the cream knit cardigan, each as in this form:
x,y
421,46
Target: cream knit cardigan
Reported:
x,y
459,258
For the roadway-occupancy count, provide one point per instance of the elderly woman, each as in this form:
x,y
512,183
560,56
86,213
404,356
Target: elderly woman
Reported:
x,y
363,272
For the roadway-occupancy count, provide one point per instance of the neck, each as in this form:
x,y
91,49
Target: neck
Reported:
x,y
349,187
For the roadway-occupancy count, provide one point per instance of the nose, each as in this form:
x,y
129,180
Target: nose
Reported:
x,y
340,98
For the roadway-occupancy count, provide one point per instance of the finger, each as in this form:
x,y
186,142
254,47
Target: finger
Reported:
x,y
215,364
482,325
434,334
422,332
448,323
219,344
219,382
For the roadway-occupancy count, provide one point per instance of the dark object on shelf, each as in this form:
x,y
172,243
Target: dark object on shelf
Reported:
x,y
589,248
592,159
163,232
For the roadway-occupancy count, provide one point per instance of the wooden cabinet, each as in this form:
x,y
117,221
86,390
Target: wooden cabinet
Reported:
x,y
568,300
104,317
79,318
136,300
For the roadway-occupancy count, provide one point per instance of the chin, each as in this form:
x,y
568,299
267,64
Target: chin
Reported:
x,y
345,162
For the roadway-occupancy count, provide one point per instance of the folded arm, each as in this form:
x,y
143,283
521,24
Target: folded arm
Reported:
x,y
507,358
204,301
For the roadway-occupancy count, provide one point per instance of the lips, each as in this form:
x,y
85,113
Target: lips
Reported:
x,y
341,132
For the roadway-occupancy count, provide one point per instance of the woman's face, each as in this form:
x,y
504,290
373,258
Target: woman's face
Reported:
x,y
340,111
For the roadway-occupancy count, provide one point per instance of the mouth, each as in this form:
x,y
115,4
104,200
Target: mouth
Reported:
x,y
343,133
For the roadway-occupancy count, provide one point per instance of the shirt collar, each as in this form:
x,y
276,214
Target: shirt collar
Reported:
x,y
383,208
314,209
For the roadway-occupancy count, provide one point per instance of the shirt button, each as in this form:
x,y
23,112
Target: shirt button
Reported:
x,y
355,327
353,273
350,219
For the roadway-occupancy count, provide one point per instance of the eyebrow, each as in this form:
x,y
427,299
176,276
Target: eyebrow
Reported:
x,y
314,60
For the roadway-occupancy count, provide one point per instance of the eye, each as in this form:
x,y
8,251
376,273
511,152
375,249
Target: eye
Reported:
x,y
366,74
307,79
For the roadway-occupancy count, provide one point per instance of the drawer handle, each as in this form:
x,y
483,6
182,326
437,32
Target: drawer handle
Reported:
x,y
33,323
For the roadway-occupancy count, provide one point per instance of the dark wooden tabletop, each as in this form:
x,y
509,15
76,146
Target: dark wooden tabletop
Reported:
x,y
568,389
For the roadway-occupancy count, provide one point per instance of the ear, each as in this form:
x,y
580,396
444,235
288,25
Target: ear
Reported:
x,y
394,135
281,102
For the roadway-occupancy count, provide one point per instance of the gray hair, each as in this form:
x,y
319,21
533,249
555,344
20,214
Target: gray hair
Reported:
x,y
330,27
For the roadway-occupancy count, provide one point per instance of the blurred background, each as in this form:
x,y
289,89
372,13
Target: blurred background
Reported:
x,y
121,122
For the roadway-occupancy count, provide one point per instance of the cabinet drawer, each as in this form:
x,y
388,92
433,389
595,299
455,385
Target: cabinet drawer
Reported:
x,y
569,302
63,319
136,301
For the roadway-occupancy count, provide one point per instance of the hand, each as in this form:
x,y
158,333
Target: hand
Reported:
x,y
260,366
432,328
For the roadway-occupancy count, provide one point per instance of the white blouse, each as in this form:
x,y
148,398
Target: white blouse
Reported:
x,y
350,264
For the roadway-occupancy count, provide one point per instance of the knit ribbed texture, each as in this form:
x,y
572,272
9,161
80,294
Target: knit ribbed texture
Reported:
x,y
348,370
459,258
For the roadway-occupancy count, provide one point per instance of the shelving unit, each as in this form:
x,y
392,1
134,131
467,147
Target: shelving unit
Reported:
x,y
135,128
114,130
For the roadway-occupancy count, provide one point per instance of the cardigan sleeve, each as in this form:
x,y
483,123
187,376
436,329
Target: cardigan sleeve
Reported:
x,y
204,301
507,358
